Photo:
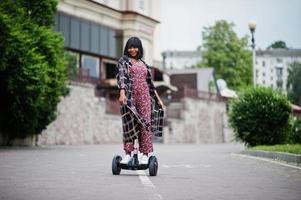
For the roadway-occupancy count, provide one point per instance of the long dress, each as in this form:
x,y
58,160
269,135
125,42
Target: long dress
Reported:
x,y
142,103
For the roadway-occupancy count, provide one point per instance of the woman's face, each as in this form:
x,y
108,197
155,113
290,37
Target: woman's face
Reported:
x,y
133,52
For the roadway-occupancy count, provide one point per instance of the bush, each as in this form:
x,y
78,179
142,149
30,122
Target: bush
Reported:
x,y
32,69
295,137
261,116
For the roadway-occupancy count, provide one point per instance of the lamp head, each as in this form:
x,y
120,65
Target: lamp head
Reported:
x,y
252,25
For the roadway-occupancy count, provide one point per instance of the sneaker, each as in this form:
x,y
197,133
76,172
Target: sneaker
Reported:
x,y
144,160
126,159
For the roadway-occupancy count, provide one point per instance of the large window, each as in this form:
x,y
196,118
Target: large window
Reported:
x,y
87,36
91,65
109,69
75,33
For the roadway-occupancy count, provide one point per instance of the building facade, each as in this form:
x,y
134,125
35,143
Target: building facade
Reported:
x,y
180,59
96,31
272,66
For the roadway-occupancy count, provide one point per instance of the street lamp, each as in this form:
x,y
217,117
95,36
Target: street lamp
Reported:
x,y
164,60
252,27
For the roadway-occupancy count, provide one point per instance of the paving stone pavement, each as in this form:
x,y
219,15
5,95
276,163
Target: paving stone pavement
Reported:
x,y
185,172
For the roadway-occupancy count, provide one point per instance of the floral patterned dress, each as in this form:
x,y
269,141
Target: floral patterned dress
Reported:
x,y
142,103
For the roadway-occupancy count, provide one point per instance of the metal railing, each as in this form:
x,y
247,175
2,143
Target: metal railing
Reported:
x,y
83,76
185,91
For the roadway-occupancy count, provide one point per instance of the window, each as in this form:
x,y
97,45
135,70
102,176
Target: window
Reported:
x,y
279,84
75,33
279,72
94,42
104,40
263,74
85,36
91,64
141,4
279,60
64,21
112,43
110,69
263,63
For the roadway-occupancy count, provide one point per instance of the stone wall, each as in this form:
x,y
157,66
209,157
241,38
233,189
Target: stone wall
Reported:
x,y
82,120
197,121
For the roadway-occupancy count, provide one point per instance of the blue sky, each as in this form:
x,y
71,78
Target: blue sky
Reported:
x,y
182,21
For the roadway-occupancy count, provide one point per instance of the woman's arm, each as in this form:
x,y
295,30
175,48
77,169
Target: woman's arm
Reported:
x,y
121,76
122,97
121,82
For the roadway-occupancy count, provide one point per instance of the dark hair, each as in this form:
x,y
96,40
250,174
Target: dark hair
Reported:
x,y
136,43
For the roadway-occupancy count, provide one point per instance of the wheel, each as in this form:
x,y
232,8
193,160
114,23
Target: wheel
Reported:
x,y
115,165
153,166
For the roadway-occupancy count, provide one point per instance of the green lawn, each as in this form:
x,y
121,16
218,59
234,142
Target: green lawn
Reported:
x,y
289,148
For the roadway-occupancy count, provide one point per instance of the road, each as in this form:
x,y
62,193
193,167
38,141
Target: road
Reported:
x,y
185,172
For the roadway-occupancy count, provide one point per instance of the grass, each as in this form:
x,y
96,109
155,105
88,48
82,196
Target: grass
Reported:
x,y
288,148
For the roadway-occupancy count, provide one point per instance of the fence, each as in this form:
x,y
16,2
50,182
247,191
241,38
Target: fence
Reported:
x,y
185,91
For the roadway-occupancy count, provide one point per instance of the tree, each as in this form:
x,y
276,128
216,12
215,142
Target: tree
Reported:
x,y
227,54
278,45
294,82
32,69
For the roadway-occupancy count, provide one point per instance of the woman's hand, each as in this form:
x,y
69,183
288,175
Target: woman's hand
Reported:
x,y
122,97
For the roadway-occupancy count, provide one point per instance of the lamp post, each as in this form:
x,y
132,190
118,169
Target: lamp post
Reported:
x,y
252,27
164,60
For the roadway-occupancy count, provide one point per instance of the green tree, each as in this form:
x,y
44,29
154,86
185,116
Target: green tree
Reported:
x,y
278,45
227,54
294,82
32,69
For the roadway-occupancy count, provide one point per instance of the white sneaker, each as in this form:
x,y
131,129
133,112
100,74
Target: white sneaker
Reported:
x,y
126,159
144,160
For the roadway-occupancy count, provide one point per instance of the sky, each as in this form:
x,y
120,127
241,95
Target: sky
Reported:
x,y
182,21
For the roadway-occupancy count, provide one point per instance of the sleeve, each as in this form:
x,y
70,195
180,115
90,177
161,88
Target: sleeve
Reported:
x,y
121,76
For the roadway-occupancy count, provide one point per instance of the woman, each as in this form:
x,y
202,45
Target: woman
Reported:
x,y
141,107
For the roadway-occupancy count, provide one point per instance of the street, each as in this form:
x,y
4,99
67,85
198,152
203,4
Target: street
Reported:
x,y
185,172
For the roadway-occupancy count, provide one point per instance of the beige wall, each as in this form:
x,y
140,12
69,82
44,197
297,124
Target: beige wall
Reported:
x,y
132,24
82,119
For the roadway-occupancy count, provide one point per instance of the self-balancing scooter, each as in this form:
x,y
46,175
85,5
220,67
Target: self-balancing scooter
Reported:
x,y
133,164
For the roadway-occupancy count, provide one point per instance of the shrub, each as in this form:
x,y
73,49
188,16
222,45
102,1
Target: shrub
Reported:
x,y
260,116
32,69
295,137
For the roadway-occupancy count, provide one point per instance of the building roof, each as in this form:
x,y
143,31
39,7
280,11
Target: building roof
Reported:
x,y
205,70
204,76
279,52
125,12
177,54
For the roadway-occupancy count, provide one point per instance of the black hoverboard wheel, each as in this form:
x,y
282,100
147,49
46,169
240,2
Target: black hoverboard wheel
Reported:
x,y
153,166
115,165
